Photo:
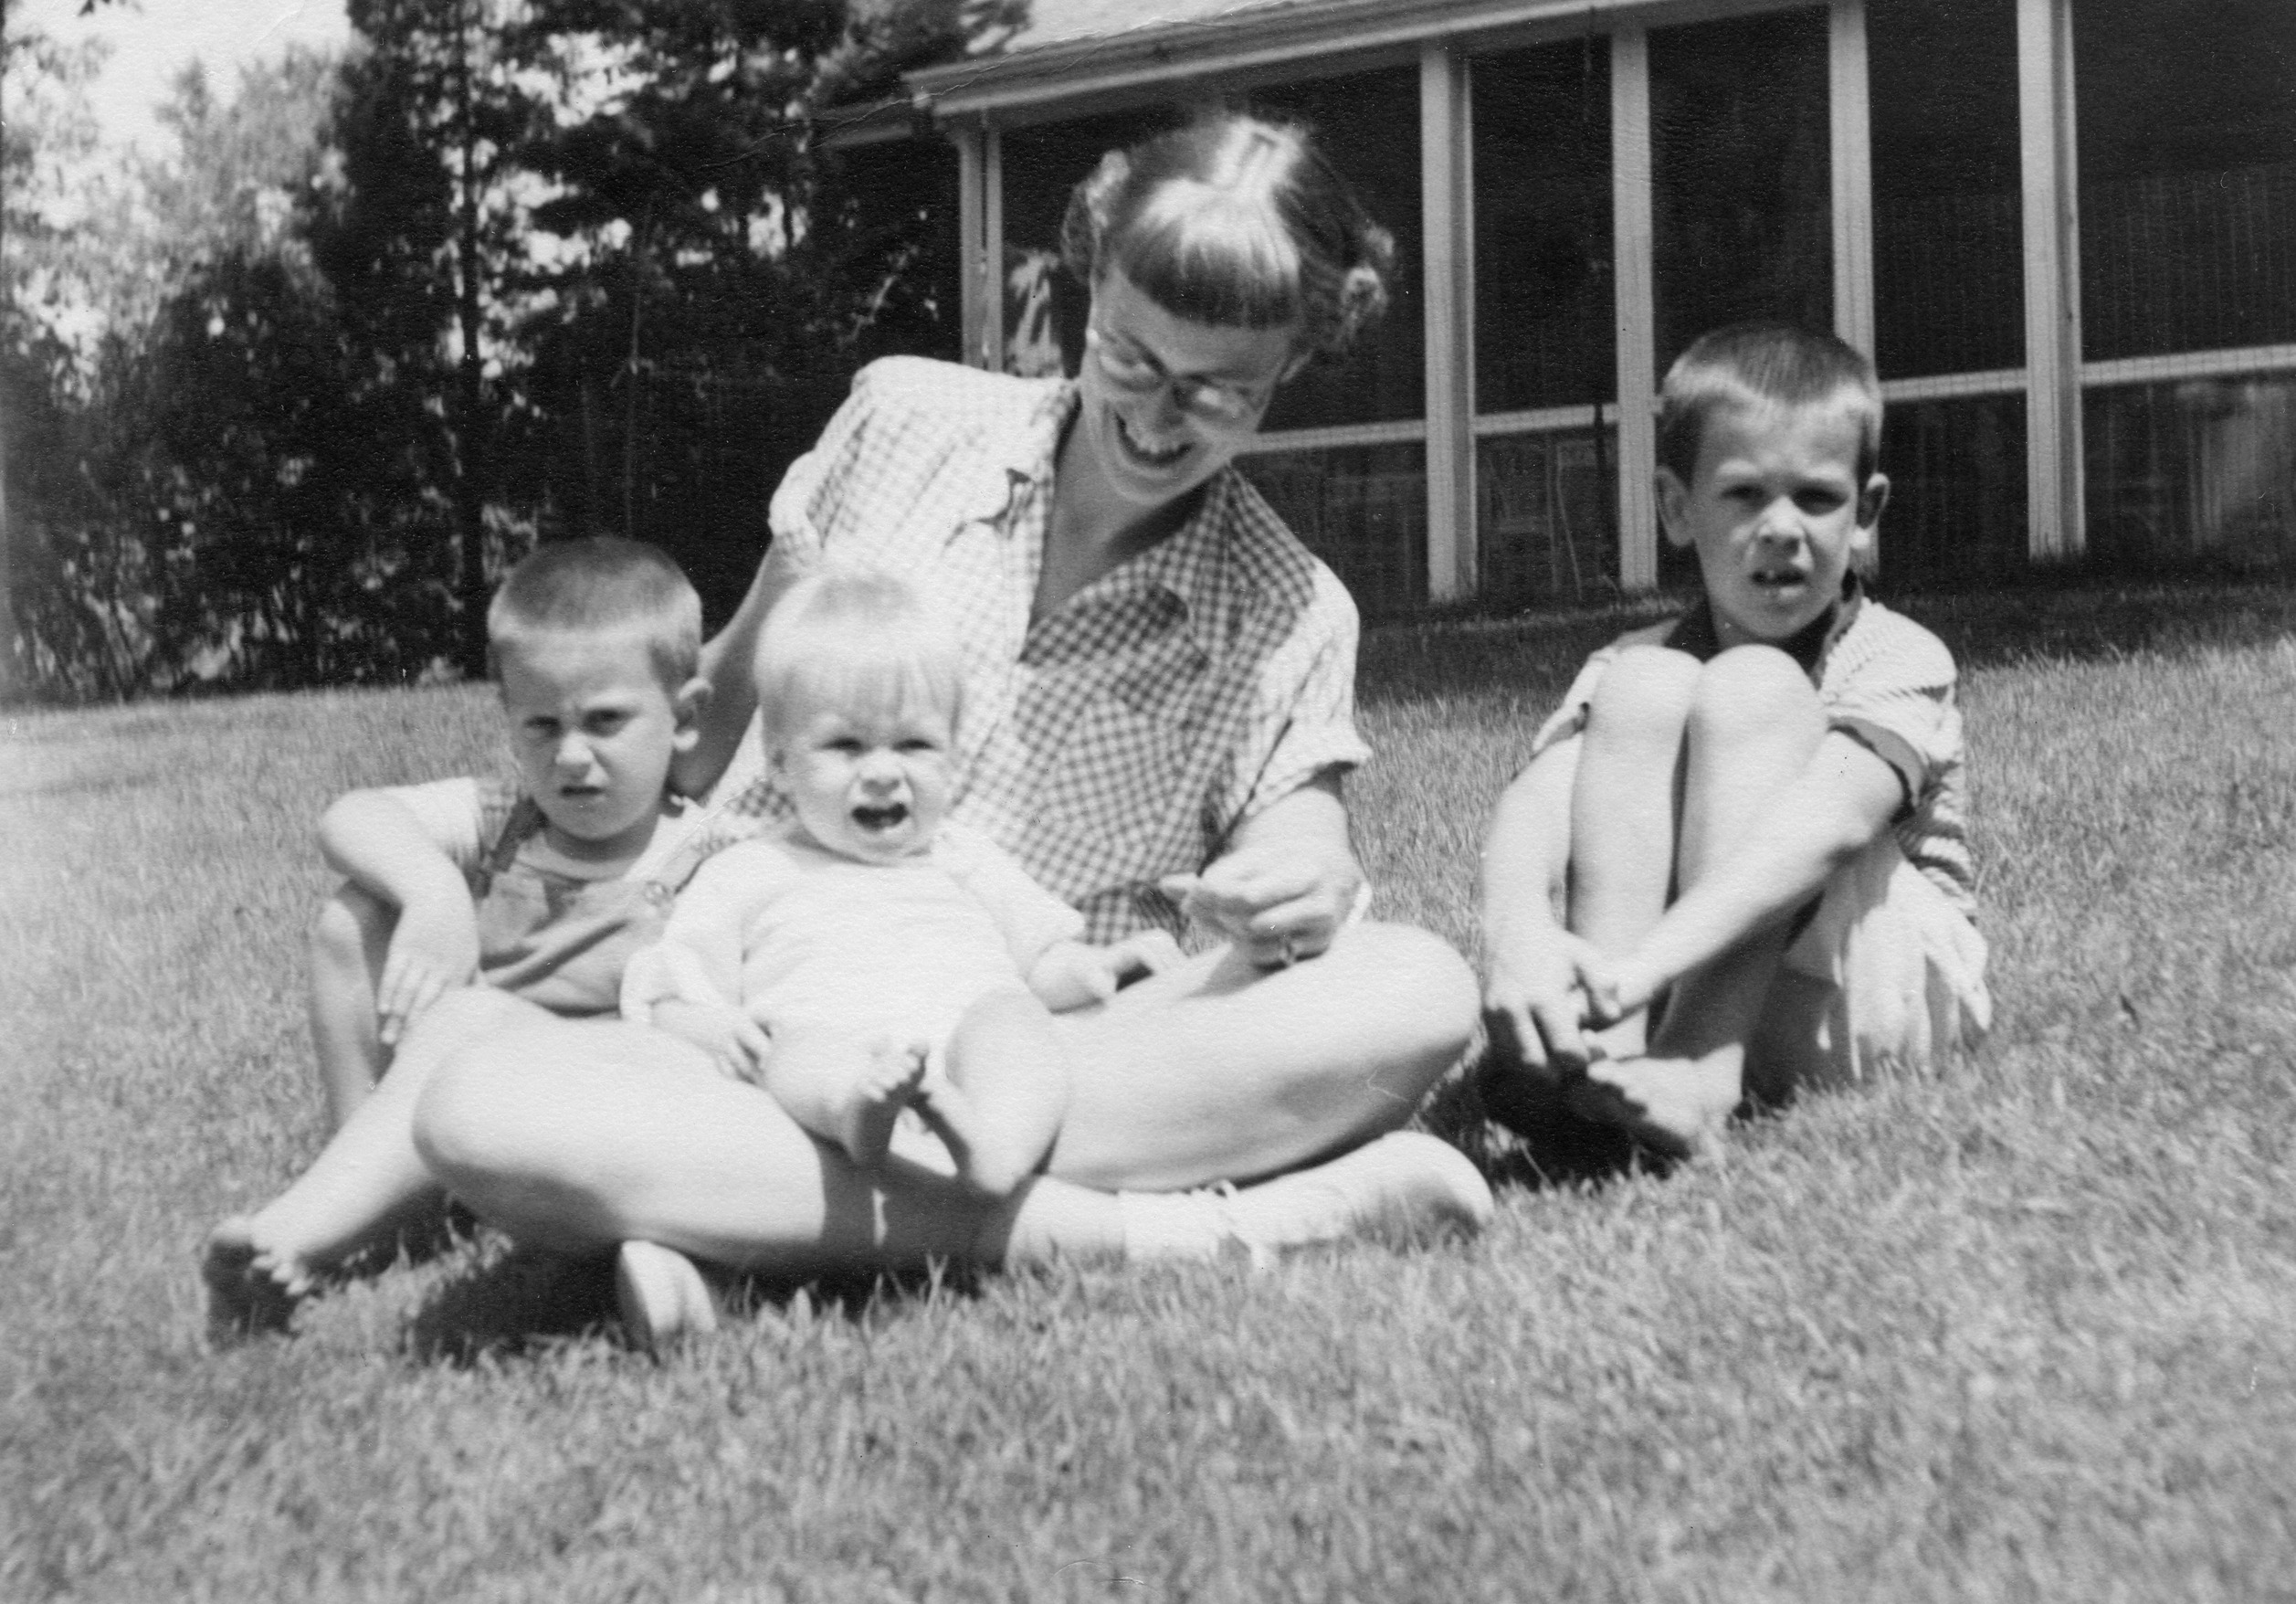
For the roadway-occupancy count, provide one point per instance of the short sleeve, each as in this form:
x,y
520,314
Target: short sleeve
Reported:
x,y
806,503
1570,718
1304,703
1030,918
1891,689
452,813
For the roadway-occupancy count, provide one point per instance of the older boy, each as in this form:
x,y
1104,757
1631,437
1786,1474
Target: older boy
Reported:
x,y
472,901
1752,815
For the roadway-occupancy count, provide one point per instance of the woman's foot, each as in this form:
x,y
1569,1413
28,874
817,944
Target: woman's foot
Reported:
x,y
1405,1181
662,1297
252,1287
865,1126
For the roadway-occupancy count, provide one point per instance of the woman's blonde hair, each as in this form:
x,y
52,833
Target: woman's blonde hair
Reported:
x,y
849,636
1238,221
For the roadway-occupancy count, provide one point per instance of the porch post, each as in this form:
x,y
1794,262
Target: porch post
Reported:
x,y
2052,279
1636,308
1447,215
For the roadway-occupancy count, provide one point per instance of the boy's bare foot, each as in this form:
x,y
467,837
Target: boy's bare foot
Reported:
x,y
1405,1180
865,1126
251,1289
662,1296
1679,1106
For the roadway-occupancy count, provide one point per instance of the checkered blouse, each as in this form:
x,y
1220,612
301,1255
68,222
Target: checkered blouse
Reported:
x,y
1127,735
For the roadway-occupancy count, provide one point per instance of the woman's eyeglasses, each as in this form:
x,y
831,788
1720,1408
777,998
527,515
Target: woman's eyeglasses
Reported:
x,y
1214,401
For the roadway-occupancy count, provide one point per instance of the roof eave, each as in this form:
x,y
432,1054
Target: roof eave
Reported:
x,y
1085,68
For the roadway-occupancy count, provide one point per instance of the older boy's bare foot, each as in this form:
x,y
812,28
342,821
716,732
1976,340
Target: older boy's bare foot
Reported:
x,y
662,1296
1679,1106
251,1289
888,1085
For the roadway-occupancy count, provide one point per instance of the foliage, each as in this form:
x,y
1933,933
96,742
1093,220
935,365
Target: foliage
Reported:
x,y
301,387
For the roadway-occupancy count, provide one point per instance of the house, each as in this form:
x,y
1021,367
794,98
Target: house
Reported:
x,y
2066,229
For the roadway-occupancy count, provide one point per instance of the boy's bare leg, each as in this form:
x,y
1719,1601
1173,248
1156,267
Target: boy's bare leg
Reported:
x,y
1623,807
999,1106
349,941
844,1089
362,1186
1754,723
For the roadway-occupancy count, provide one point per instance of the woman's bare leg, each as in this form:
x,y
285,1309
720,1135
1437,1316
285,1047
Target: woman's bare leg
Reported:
x,y
1217,1070
587,1134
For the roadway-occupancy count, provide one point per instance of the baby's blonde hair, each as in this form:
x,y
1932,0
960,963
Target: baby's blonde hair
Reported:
x,y
847,635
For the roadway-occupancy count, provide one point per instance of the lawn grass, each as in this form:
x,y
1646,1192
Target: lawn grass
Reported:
x,y
2023,1329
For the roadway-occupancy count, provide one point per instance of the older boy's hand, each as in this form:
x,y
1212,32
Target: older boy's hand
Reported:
x,y
1535,1004
434,950
736,1043
1615,992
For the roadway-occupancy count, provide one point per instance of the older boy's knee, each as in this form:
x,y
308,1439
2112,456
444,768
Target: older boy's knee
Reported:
x,y
1751,690
1644,695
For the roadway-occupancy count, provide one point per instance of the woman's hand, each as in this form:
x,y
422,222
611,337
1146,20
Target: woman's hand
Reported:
x,y
1279,904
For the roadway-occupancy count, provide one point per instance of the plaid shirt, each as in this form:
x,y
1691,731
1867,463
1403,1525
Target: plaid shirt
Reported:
x,y
1125,736
1883,681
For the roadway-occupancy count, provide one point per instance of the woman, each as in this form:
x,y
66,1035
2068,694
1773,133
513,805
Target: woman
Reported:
x,y
1159,713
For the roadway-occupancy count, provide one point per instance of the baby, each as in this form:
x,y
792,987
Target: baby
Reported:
x,y
873,954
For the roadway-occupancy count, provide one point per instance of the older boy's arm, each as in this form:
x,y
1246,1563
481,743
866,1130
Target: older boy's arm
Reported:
x,y
1843,799
1533,986
378,844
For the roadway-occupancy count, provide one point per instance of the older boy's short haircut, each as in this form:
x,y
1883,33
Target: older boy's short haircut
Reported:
x,y
1757,361
847,636
596,583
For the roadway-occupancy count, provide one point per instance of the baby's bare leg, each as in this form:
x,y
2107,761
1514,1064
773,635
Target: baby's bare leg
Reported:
x,y
1754,722
844,1088
1001,1103
1623,809
349,941
360,1187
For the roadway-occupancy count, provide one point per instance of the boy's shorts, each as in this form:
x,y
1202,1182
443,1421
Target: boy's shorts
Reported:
x,y
1908,967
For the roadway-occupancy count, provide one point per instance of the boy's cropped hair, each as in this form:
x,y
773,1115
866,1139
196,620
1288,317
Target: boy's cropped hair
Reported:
x,y
602,581
853,634
1755,361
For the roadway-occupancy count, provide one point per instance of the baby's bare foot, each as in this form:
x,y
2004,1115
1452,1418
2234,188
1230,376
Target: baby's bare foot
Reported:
x,y
1679,1106
886,1087
251,1289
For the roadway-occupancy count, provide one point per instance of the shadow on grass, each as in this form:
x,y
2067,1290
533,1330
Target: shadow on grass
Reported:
x,y
1520,1133
514,1301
